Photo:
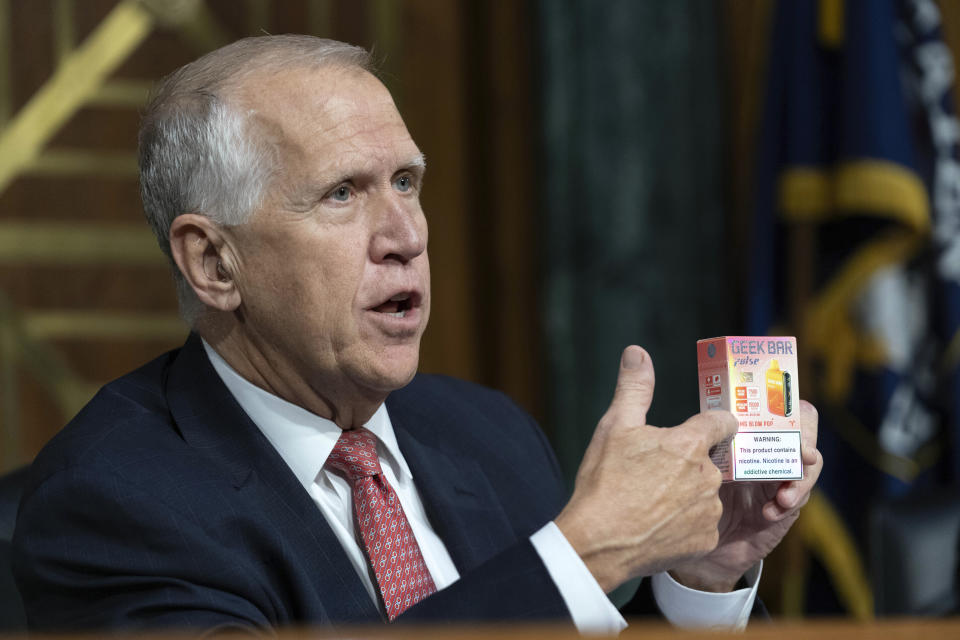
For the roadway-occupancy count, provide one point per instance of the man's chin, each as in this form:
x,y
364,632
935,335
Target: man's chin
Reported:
x,y
393,372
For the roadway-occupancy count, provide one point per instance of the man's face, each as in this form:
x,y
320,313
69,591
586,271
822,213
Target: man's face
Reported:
x,y
333,271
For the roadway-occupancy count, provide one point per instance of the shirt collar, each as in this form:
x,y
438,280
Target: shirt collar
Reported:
x,y
303,439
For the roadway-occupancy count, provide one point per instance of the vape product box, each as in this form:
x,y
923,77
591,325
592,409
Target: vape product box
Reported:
x,y
754,378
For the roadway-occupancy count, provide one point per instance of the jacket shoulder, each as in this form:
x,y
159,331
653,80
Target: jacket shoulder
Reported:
x,y
445,394
127,418
484,423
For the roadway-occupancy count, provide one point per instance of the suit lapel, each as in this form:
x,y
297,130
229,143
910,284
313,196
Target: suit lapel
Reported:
x,y
460,502
211,421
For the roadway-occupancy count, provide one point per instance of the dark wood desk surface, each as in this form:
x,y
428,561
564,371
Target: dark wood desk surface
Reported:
x,y
825,629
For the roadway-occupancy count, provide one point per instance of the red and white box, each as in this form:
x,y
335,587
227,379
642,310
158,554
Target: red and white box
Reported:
x,y
754,378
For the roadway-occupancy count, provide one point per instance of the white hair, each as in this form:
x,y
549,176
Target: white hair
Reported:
x,y
201,152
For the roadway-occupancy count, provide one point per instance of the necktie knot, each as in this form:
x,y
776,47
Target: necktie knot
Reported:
x,y
355,454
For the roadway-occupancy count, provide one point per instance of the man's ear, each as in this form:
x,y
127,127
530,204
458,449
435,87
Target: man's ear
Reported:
x,y
198,247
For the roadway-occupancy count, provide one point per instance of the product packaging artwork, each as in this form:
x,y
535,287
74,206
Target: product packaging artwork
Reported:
x,y
755,378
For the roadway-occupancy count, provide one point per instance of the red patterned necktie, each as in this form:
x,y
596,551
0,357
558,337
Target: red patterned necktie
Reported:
x,y
392,550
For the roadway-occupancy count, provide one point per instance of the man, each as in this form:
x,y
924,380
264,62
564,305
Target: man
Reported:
x,y
286,466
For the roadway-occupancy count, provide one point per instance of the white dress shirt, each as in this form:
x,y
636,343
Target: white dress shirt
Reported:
x,y
305,440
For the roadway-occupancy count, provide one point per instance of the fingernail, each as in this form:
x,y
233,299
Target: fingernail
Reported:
x,y
789,497
633,358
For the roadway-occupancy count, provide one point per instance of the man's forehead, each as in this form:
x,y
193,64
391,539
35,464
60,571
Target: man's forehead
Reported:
x,y
340,117
326,96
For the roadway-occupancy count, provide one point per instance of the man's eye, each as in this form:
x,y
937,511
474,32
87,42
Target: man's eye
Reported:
x,y
403,183
341,193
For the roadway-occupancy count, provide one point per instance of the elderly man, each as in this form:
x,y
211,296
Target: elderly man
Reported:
x,y
287,465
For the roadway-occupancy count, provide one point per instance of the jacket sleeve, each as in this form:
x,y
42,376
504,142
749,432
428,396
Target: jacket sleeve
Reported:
x,y
95,552
512,586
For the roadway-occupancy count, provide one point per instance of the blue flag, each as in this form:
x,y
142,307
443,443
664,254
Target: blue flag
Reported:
x,y
857,245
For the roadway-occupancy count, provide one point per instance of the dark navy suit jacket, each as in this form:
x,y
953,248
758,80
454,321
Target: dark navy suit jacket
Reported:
x,y
162,504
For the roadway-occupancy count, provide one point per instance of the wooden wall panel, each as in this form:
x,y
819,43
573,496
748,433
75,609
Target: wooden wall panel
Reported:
x,y
505,212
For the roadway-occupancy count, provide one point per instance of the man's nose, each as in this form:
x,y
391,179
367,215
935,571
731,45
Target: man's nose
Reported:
x,y
401,230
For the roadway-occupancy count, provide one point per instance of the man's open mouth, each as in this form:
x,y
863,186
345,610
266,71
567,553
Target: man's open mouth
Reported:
x,y
397,306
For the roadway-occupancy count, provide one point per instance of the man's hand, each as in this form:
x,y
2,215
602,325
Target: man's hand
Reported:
x,y
756,516
646,499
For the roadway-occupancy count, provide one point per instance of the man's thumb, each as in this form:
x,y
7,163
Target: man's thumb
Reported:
x,y
634,392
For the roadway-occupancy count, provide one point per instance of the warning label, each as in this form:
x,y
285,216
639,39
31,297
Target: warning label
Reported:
x,y
767,455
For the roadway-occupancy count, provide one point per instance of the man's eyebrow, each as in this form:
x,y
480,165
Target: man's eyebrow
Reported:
x,y
337,176
418,160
